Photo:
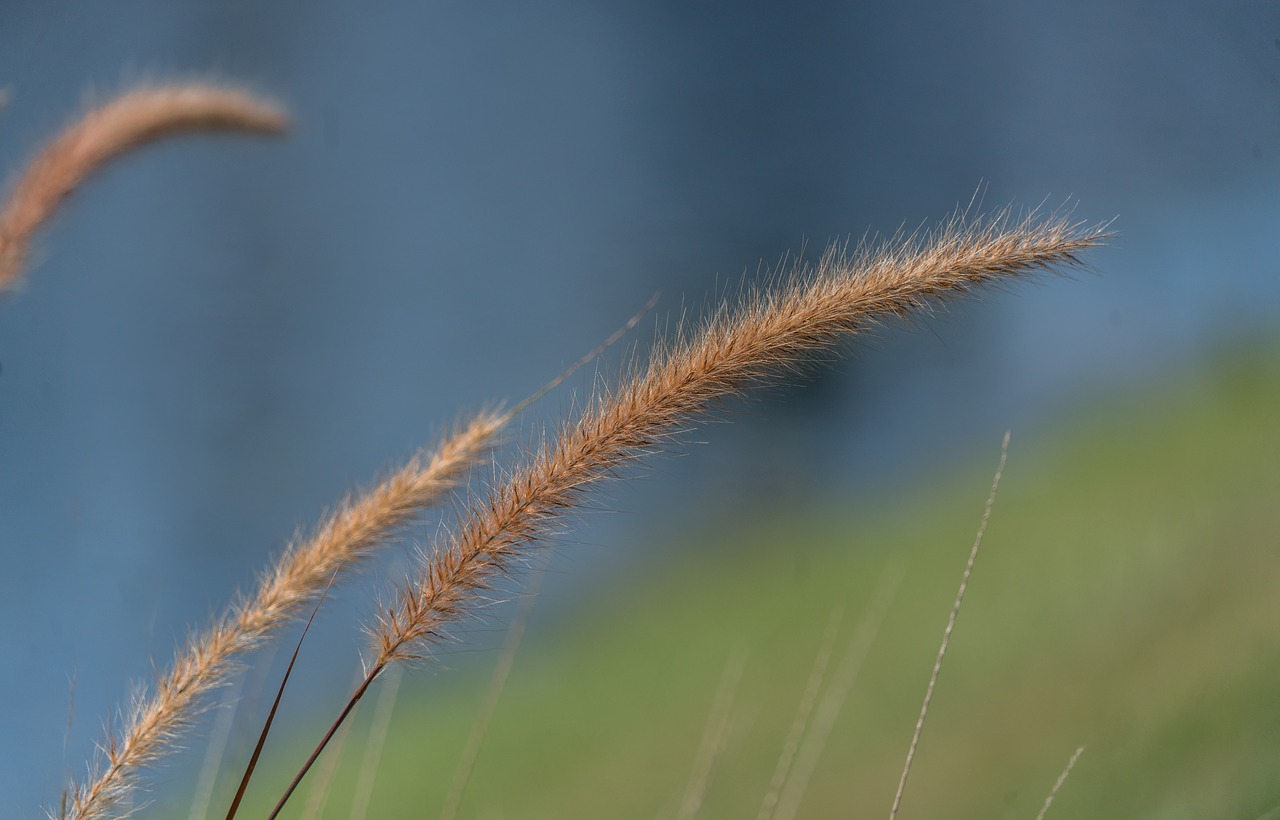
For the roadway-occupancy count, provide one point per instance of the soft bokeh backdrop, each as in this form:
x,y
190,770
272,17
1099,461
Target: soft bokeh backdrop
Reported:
x,y
219,336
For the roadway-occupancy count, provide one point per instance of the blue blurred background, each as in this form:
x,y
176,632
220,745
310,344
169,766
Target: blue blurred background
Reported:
x,y
220,336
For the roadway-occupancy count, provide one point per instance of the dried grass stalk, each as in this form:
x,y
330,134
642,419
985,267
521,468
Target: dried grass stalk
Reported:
x,y
298,578
300,575
833,700
131,120
769,333
1057,786
951,625
801,720
714,735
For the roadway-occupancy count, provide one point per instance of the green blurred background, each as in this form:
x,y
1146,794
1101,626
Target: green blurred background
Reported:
x,y
1124,600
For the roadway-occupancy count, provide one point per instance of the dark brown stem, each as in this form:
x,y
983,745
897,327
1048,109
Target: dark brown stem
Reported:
x,y
271,716
315,755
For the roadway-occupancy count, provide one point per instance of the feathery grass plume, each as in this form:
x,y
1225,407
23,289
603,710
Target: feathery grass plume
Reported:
x,y
300,575
768,334
105,132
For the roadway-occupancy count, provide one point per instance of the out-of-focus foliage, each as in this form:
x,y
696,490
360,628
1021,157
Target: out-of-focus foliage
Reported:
x,y
1125,600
